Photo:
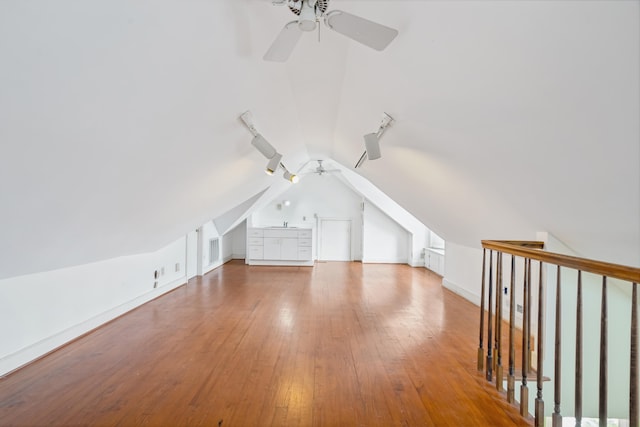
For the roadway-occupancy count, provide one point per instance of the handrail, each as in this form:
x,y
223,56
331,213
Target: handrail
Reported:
x,y
532,250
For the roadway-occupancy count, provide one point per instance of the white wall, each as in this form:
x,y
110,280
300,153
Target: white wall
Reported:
x,y
40,312
239,243
419,232
463,271
207,232
315,197
192,254
384,240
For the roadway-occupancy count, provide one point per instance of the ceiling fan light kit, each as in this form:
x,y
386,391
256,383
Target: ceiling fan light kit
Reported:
x,y
307,21
369,33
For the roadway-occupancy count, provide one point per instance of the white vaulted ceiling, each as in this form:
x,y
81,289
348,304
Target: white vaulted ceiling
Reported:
x,y
119,127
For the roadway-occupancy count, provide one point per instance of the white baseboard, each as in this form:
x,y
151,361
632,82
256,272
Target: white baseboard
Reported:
x,y
385,261
35,351
461,291
419,262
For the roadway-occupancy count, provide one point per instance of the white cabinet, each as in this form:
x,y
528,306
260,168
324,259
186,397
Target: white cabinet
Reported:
x,y
305,251
434,261
279,246
255,252
255,244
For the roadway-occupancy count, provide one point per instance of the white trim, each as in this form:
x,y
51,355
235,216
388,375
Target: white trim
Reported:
x,y
385,261
290,263
470,296
29,354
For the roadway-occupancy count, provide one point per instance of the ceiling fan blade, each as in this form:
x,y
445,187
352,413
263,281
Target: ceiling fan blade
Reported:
x,y
284,44
369,33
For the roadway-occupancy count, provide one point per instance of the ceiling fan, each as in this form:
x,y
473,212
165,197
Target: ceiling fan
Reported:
x,y
321,170
369,33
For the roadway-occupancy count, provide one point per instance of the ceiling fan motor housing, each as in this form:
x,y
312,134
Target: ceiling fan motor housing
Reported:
x,y
296,6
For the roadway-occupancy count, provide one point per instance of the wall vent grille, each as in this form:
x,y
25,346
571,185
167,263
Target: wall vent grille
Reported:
x,y
214,250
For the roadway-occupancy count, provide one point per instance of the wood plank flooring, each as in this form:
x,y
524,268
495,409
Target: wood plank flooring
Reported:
x,y
339,344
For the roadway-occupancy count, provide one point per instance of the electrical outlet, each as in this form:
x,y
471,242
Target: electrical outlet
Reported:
x,y
519,308
506,290
162,271
177,266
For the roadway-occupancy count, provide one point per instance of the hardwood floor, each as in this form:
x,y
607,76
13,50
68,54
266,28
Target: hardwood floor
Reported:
x,y
339,344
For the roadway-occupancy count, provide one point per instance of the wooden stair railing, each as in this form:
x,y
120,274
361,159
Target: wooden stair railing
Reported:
x,y
532,251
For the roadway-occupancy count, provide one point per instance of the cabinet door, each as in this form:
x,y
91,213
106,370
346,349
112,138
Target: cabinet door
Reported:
x,y
441,265
271,248
256,252
289,249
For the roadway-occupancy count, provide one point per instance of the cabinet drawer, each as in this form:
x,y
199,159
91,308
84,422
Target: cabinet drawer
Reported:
x,y
255,232
304,254
256,241
305,234
281,232
304,242
255,252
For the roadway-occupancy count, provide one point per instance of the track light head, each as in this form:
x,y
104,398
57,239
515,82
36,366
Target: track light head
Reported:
x,y
372,146
263,146
372,141
273,164
290,177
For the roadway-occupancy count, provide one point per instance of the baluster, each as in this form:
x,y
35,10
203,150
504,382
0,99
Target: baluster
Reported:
x,y
539,401
578,386
496,319
499,372
489,320
529,310
602,401
511,380
633,371
480,349
524,391
557,418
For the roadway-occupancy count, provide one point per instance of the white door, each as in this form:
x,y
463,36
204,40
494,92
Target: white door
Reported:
x,y
335,240
192,254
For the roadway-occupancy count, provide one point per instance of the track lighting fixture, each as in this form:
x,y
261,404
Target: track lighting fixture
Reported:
x,y
290,177
266,149
273,164
372,146
263,146
372,141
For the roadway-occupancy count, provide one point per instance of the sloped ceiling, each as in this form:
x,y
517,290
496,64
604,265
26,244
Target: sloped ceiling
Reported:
x,y
119,124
